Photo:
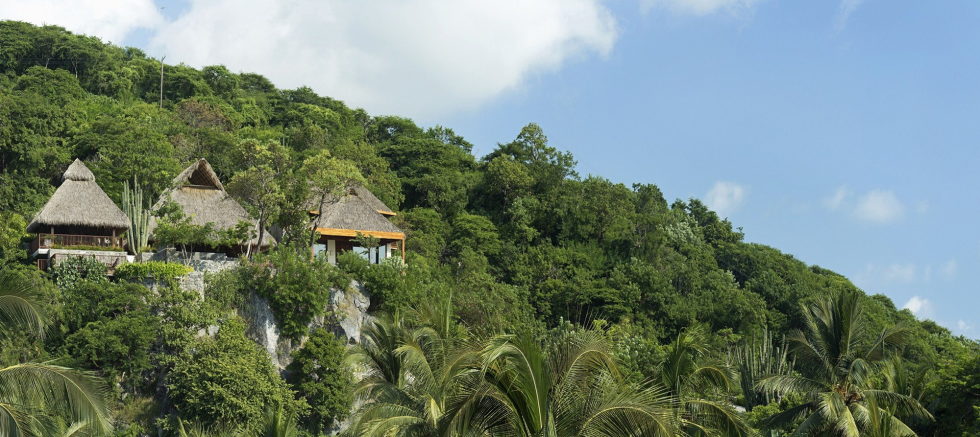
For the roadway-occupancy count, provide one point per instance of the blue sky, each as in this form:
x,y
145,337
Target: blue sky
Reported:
x,y
855,145
845,133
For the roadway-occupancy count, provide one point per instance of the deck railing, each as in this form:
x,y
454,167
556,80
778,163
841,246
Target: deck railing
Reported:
x,y
64,241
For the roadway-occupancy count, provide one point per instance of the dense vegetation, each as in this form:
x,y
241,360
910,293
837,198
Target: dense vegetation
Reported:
x,y
518,267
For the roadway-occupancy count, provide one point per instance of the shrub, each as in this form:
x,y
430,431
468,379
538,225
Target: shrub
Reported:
x,y
228,380
71,270
297,287
319,375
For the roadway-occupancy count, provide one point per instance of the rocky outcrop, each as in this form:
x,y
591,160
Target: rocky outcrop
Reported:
x,y
346,314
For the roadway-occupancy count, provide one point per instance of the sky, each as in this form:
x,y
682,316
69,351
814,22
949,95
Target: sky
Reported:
x,y
843,132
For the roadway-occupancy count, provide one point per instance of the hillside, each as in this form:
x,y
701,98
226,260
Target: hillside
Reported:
x,y
518,241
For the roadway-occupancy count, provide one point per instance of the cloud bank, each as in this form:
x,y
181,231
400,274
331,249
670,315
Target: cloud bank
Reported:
x,y
421,58
110,20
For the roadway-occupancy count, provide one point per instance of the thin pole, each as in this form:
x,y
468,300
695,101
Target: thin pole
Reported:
x,y
161,80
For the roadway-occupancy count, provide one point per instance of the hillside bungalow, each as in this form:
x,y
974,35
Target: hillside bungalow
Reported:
x,y
338,223
202,197
78,220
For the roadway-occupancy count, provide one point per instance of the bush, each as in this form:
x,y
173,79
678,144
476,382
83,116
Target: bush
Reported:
x,y
228,381
387,282
297,287
319,375
110,327
72,270
160,271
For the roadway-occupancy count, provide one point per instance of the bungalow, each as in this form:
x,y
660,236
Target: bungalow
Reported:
x,y
202,197
78,220
339,222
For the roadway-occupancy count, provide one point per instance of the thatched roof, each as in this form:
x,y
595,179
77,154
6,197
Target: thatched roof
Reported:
x,y
79,201
200,174
203,198
368,197
355,212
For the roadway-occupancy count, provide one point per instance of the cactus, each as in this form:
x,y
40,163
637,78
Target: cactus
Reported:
x,y
139,218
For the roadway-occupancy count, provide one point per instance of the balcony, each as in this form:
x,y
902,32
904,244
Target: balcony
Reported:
x,y
78,242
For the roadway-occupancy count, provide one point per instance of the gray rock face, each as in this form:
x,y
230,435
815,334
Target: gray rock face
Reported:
x,y
345,315
350,311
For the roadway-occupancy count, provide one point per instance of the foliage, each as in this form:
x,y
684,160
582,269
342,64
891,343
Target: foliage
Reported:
x,y
529,250
228,380
35,397
296,286
160,271
175,229
319,374
109,326
839,356
72,270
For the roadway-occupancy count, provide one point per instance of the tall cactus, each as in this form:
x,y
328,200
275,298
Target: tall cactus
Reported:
x,y
139,218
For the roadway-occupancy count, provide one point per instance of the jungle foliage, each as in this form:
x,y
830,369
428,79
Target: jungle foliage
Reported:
x,y
516,266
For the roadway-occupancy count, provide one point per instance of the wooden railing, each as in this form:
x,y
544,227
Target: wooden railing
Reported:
x,y
63,241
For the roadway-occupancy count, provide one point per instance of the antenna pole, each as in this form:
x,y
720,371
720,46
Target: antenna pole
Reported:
x,y
161,80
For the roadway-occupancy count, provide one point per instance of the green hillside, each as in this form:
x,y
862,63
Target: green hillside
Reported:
x,y
512,254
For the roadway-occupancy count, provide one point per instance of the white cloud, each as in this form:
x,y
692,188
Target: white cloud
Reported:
x,y
844,11
110,20
948,270
899,273
725,197
921,307
698,7
879,206
834,201
419,58
963,327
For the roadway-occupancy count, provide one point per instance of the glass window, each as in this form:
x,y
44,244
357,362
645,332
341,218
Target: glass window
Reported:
x,y
318,249
363,252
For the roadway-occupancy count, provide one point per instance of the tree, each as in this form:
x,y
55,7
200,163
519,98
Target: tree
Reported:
x,y
430,378
700,385
838,359
259,185
228,380
33,396
319,374
328,179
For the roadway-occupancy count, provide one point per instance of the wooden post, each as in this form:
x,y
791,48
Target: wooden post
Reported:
x,y
402,247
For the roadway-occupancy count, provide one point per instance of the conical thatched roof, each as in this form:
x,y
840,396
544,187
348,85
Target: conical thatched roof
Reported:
x,y
355,212
202,197
79,201
368,197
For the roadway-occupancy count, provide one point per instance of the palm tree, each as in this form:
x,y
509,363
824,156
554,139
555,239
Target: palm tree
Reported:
x,y
34,397
700,385
413,370
425,375
572,389
838,358
754,359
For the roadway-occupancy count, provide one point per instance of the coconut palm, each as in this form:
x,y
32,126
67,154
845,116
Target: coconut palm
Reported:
x,y
838,359
572,389
754,359
700,385
35,397
425,375
414,368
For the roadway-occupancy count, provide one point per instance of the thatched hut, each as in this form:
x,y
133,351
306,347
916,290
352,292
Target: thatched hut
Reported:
x,y
79,214
340,221
202,197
